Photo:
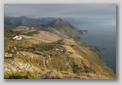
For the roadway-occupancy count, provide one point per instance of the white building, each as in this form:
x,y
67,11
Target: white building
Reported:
x,y
17,37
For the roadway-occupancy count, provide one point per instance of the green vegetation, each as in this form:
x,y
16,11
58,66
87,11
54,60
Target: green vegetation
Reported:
x,y
7,27
76,69
30,33
19,75
52,49
11,33
88,70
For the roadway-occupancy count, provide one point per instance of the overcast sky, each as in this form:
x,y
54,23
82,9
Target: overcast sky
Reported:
x,y
61,10
80,11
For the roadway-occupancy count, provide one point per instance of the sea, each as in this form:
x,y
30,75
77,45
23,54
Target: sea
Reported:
x,y
101,34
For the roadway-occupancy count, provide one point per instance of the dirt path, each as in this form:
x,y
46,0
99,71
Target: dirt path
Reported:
x,y
44,63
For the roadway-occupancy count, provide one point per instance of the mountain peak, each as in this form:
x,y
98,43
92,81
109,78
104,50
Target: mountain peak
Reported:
x,y
60,23
59,19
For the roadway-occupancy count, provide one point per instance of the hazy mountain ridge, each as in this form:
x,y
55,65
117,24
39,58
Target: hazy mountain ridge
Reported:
x,y
25,21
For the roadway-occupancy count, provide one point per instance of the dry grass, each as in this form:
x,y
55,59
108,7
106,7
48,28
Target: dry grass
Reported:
x,y
58,63
80,63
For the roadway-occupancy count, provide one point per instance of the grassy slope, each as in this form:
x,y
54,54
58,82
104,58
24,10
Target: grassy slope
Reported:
x,y
78,64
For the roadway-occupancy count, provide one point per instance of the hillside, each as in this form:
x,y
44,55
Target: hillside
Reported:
x,y
50,53
25,21
66,28
57,23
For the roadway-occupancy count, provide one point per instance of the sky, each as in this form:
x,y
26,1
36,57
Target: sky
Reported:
x,y
80,11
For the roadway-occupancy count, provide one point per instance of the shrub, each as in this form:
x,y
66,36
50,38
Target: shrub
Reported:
x,y
88,70
21,76
75,68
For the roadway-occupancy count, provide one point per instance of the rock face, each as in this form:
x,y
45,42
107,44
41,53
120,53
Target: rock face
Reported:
x,y
49,54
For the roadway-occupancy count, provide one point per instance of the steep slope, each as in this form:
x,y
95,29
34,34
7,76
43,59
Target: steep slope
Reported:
x,y
88,59
60,23
51,52
63,58
66,28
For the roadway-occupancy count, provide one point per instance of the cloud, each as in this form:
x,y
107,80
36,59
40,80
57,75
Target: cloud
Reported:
x,y
62,10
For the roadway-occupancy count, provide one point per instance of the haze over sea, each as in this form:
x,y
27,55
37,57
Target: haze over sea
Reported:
x,y
101,34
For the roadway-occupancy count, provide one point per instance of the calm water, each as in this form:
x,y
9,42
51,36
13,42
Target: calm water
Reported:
x,y
106,40
103,35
